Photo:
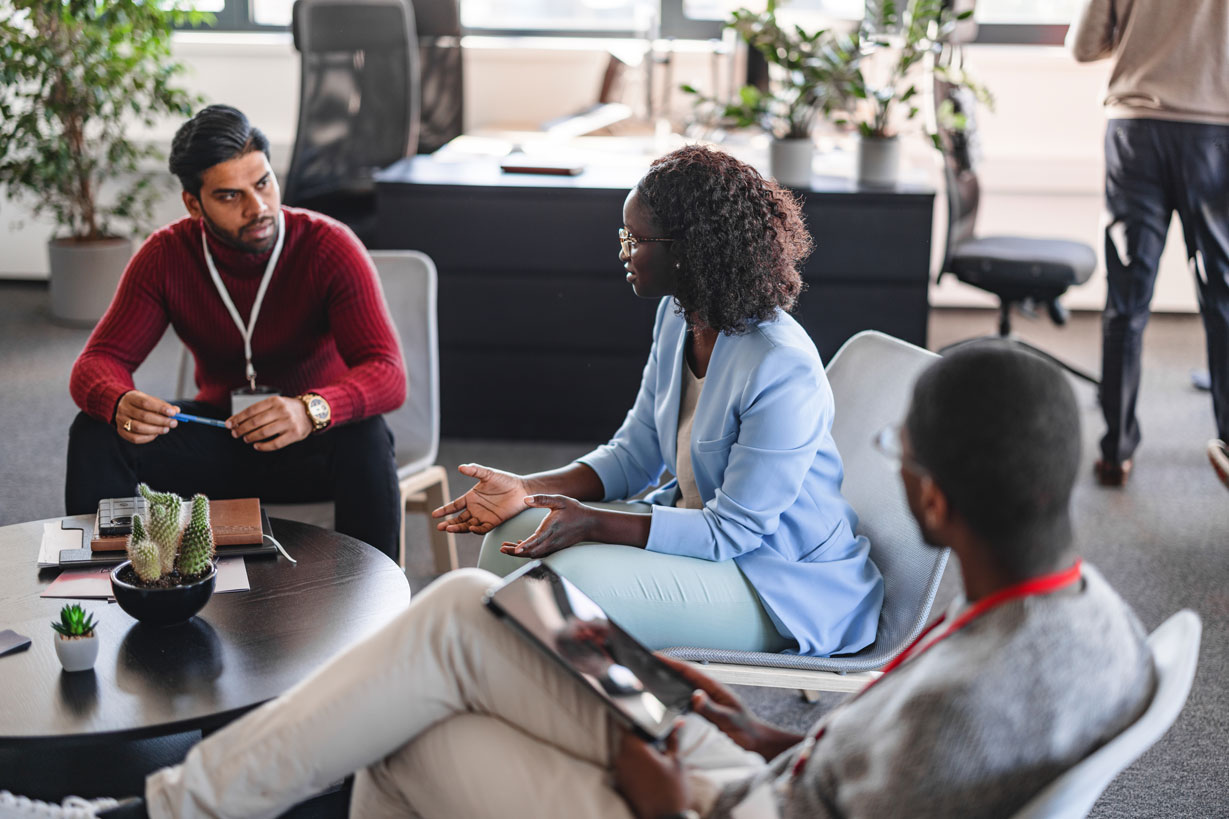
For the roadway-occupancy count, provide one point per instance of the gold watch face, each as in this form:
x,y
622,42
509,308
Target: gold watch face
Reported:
x,y
318,409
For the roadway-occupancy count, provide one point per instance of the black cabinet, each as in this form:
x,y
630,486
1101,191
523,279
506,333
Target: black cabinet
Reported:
x,y
541,337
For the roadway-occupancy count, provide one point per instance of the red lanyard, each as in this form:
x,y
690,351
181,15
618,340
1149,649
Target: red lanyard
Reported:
x,y
1046,584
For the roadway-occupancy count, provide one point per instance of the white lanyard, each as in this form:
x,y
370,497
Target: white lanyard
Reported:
x,y
246,332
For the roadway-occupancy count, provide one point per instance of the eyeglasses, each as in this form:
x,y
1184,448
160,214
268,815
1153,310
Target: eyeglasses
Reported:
x,y
628,242
888,442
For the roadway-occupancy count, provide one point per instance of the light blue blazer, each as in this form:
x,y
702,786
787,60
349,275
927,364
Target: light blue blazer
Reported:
x,y
767,471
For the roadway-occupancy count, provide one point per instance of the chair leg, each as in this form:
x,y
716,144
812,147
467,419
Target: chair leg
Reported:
x,y
423,492
1071,368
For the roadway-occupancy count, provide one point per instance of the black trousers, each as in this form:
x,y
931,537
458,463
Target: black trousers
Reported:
x,y
352,465
1153,168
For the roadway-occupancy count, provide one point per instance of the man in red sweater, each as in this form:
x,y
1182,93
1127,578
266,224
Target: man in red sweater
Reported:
x,y
279,299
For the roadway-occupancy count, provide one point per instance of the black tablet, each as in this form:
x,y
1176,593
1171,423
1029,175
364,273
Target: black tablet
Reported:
x,y
644,693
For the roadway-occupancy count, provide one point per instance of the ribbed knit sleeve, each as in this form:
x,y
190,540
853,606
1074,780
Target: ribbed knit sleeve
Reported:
x,y
129,329
362,329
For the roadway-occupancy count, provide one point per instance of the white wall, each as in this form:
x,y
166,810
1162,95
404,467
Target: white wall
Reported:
x,y
1041,171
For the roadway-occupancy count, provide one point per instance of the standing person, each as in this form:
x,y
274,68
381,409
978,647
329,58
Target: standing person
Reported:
x,y
263,296
1166,149
968,722
751,546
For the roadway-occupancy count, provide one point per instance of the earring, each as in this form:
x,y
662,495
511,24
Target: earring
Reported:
x,y
678,265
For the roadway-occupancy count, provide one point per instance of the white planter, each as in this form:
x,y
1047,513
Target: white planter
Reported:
x,y
789,161
76,653
878,161
84,276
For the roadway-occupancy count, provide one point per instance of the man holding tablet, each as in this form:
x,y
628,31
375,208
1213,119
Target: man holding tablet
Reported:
x,y
447,712
296,355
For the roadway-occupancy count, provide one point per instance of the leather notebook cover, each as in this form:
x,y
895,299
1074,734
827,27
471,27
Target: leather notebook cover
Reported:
x,y
234,522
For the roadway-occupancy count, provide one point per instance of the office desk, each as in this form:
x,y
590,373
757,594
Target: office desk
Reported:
x,y
541,337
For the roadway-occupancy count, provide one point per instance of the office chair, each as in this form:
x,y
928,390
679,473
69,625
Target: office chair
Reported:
x,y
1022,271
358,104
1175,653
409,281
441,73
871,378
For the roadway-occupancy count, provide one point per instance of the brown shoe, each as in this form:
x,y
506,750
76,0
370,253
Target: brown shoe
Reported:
x,y
1111,474
1218,454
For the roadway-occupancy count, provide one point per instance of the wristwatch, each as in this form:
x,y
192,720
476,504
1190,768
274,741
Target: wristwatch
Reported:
x,y
318,410
682,814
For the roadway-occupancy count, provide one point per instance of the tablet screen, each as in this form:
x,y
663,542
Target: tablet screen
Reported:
x,y
557,616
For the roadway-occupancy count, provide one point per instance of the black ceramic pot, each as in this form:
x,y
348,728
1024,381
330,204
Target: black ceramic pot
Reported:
x,y
163,607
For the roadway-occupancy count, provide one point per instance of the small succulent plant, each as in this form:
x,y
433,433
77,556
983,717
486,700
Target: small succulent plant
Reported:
x,y
74,622
196,548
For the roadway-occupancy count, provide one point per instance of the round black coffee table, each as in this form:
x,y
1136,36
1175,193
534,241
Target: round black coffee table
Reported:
x,y
241,650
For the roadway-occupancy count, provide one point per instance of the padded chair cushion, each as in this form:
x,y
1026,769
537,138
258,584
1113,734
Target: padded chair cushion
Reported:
x,y
1019,266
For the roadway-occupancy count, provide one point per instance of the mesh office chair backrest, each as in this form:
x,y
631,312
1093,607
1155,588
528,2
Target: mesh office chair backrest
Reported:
x,y
358,98
960,149
441,73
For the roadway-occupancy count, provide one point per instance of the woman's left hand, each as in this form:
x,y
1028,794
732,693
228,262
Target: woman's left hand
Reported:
x,y
652,782
568,523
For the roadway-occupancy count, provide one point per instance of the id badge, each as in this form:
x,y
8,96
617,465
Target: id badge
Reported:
x,y
245,397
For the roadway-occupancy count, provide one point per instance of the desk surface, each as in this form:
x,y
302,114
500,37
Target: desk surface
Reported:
x,y
614,163
241,650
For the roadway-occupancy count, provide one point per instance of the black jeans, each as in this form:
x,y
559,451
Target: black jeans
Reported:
x,y
352,465
1152,168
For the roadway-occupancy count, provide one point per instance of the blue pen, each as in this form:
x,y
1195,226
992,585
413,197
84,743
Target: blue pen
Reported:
x,y
183,416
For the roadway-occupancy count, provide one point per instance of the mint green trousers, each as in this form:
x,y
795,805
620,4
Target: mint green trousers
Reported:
x,y
662,600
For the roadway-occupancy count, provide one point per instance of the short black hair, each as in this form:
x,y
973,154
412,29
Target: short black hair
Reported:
x,y
217,133
998,429
740,236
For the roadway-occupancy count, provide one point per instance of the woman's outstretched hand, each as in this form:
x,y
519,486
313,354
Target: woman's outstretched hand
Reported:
x,y
496,497
568,523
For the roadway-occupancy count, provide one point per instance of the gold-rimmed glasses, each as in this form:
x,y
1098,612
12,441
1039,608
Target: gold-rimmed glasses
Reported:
x,y
628,242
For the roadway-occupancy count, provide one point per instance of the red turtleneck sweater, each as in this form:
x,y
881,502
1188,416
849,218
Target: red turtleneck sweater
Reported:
x,y
323,325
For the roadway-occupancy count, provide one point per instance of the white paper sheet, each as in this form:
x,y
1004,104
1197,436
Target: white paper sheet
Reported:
x,y
94,583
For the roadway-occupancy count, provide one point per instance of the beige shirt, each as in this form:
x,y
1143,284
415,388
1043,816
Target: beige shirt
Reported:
x,y
689,495
1171,57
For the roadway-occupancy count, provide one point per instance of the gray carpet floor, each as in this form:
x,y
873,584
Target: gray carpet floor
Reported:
x,y
1161,541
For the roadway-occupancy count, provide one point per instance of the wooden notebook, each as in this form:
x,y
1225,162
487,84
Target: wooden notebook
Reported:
x,y
234,522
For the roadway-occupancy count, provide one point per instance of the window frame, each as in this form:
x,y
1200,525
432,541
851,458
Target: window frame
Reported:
x,y
236,16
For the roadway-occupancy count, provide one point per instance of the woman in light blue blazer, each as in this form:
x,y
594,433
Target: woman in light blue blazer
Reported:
x,y
750,546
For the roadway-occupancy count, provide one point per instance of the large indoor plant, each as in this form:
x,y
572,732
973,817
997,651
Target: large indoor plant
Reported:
x,y
75,77
799,88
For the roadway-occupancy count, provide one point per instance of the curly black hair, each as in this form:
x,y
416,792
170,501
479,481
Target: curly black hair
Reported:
x,y
740,237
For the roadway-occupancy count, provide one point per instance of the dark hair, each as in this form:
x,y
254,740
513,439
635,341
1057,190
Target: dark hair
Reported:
x,y
999,431
739,236
216,134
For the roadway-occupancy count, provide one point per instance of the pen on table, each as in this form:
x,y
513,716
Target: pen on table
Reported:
x,y
196,419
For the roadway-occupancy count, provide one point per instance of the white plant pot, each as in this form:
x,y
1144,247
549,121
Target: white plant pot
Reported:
x,y
76,653
789,161
84,276
878,161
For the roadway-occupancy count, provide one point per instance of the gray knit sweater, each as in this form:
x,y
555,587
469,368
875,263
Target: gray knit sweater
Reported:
x,y
981,721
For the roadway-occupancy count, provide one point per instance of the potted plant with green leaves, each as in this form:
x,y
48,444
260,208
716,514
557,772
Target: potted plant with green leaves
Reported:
x,y
879,87
800,86
170,572
76,76
76,642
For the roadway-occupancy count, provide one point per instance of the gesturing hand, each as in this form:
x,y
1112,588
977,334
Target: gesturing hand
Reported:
x,y
652,783
720,706
140,418
566,525
497,496
273,423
